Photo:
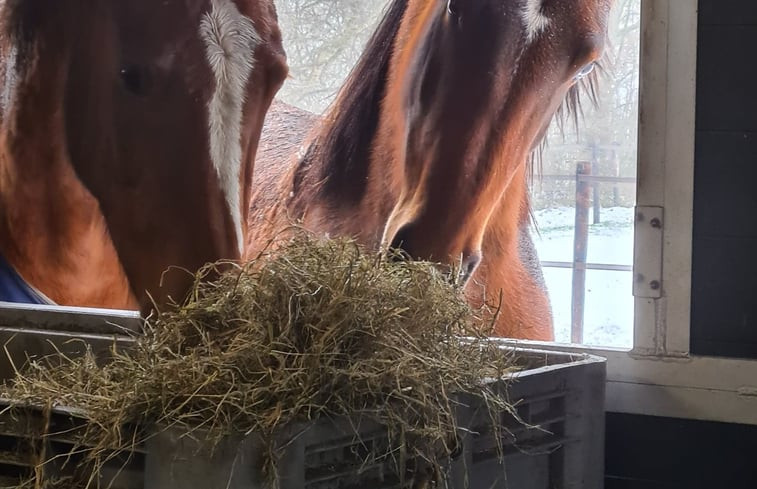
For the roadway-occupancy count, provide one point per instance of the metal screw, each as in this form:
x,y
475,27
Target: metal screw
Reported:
x,y
654,285
656,223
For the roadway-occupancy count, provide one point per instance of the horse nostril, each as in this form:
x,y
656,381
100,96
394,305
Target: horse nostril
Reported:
x,y
401,241
468,265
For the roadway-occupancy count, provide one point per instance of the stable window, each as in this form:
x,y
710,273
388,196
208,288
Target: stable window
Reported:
x,y
584,195
684,319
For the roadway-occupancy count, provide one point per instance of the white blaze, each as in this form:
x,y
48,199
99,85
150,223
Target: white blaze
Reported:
x,y
230,41
534,19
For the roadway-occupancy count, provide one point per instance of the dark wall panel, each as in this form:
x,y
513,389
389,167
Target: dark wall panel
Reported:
x,y
724,304
726,184
726,82
646,452
731,12
724,268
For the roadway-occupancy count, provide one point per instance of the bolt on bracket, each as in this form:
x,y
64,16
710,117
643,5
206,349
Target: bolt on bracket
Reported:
x,y
647,260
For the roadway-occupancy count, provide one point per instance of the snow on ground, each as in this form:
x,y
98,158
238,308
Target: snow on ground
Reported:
x,y
608,319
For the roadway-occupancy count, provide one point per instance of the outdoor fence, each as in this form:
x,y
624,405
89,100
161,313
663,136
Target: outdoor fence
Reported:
x,y
587,197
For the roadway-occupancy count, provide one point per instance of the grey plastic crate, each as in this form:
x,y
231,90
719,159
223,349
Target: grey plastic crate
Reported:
x,y
33,332
562,394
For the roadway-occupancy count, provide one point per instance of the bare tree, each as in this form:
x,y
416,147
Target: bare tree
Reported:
x,y
323,39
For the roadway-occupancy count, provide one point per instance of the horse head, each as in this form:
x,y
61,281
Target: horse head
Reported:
x,y
128,136
471,91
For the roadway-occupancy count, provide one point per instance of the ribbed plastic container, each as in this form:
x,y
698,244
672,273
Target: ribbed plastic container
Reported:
x,y
33,332
561,395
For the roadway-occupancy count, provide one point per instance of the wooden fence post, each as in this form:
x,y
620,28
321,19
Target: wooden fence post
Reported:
x,y
580,248
616,169
596,195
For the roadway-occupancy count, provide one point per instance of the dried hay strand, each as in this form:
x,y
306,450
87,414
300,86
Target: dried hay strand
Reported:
x,y
315,328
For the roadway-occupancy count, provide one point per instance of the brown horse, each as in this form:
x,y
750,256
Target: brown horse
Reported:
x,y
427,147
127,131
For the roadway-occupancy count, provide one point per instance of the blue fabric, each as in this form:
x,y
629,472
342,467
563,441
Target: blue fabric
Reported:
x,y
14,289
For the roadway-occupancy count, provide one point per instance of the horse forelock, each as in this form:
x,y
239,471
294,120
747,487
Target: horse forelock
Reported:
x,y
230,41
534,19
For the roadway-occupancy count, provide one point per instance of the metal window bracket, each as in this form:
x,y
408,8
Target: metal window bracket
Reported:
x,y
647,259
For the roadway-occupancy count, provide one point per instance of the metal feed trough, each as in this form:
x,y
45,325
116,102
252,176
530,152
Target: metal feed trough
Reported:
x,y
560,394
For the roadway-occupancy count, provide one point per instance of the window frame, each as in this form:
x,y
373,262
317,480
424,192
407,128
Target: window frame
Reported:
x,y
660,376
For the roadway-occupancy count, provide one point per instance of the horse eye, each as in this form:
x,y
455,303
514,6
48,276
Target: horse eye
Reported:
x,y
136,79
585,71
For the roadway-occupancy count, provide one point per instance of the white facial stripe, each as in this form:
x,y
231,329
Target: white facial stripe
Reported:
x,y
230,41
9,79
534,19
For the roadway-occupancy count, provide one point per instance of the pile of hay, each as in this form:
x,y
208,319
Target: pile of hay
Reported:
x,y
316,328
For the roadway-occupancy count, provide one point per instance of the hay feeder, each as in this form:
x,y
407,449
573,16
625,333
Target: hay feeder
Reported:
x,y
561,394
305,370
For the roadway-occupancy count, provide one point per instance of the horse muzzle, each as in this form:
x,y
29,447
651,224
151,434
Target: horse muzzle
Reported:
x,y
458,267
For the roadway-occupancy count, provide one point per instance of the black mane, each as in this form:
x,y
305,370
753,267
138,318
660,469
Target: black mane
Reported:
x,y
353,119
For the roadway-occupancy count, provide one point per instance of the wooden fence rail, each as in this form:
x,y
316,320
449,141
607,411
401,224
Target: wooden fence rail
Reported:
x,y
587,194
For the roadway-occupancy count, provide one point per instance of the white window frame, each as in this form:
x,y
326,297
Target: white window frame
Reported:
x,y
659,376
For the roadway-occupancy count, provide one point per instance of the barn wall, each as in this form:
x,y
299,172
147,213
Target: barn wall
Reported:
x,y
644,452
724,275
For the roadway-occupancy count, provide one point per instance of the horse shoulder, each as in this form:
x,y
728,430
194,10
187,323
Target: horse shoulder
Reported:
x,y
283,143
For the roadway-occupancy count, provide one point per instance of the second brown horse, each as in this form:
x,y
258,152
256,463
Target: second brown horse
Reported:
x,y
427,147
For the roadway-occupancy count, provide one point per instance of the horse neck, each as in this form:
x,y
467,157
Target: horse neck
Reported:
x,y
511,269
512,213
51,228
